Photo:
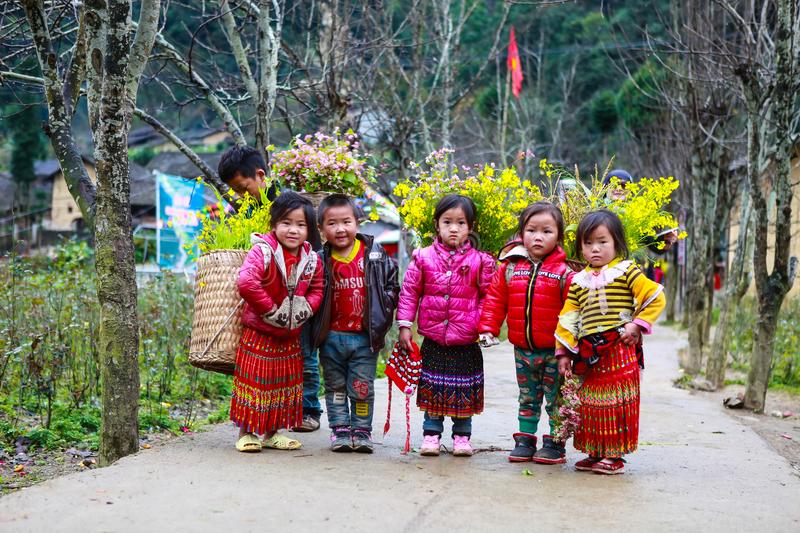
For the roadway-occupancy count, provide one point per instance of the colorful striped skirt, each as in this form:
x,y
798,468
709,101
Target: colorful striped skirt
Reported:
x,y
451,383
267,383
610,405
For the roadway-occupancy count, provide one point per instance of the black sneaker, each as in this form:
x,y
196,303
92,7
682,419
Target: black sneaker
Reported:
x,y
552,452
362,441
341,441
524,449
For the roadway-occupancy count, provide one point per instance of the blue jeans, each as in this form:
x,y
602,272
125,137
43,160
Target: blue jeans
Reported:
x,y
434,425
349,365
311,405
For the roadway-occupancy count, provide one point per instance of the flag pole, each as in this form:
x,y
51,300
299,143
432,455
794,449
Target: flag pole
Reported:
x,y
504,125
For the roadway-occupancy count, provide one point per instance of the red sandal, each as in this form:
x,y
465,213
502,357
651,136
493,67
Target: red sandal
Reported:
x,y
585,465
609,466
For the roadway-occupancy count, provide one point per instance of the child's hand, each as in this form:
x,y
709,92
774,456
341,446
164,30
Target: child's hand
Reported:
x,y
564,365
487,339
632,334
405,338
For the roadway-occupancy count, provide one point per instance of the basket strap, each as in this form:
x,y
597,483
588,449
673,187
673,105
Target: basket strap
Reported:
x,y
225,323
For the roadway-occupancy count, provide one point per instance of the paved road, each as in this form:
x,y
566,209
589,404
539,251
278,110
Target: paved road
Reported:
x,y
696,469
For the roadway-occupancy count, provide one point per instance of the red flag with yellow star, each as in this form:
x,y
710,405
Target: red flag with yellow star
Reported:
x,y
514,65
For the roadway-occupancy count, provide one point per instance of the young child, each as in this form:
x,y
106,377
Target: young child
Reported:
x,y
281,283
610,304
531,287
243,169
361,290
444,289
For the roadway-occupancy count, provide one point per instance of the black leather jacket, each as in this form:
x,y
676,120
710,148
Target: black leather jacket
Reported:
x,y
383,288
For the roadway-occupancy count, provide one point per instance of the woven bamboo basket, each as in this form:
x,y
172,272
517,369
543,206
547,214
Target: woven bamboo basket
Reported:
x,y
217,325
316,197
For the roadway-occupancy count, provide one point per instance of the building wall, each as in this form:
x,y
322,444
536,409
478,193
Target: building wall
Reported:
x,y
64,211
795,243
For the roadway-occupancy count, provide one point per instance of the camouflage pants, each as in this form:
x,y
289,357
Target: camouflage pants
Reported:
x,y
538,379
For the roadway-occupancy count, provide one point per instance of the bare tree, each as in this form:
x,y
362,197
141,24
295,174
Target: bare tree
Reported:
x,y
767,63
112,59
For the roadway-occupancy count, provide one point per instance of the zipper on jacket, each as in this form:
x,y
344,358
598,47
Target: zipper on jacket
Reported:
x,y
368,315
529,304
291,305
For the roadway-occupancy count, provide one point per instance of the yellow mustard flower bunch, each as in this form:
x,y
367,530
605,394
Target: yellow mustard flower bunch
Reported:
x,y
499,197
223,230
640,206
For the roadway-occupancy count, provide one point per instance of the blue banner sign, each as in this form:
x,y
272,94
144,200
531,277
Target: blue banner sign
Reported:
x,y
179,202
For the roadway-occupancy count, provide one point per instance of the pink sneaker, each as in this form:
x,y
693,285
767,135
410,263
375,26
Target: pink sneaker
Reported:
x,y
430,445
461,446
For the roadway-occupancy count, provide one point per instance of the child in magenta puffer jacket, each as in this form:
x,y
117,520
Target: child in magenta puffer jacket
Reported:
x,y
444,289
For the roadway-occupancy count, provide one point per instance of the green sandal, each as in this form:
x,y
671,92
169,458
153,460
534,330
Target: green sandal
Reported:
x,y
248,443
281,442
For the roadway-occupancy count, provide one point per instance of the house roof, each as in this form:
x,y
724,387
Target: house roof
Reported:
x,y
177,164
147,136
142,181
143,186
50,167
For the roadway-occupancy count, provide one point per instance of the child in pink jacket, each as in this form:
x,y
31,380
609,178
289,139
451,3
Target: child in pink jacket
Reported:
x,y
444,289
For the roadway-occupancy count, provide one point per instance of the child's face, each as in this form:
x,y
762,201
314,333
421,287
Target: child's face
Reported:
x,y
339,227
242,184
598,247
453,227
540,235
291,230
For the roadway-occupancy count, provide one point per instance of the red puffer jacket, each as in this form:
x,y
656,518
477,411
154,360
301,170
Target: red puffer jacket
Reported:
x,y
264,285
532,298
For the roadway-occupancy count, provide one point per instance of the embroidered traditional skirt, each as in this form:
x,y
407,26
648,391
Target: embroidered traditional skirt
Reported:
x,y
610,405
451,383
267,383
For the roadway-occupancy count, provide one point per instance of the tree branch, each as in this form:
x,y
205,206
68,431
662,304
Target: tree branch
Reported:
x,y
211,176
142,45
59,122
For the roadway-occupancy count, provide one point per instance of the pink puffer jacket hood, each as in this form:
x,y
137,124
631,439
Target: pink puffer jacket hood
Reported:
x,y
446,288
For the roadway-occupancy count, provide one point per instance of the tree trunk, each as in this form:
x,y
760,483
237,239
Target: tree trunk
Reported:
x,y
704,191
672,275
114,258
735,286
772,288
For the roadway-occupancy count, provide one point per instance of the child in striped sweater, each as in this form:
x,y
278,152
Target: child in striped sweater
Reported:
x,y
610,304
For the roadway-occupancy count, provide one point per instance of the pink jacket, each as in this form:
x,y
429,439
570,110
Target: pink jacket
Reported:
x,y
264,286
447,287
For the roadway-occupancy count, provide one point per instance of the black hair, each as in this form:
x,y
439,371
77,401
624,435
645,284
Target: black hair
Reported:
x,y
465,203
336,200
452,201
240,159
287,202
542,206
603,217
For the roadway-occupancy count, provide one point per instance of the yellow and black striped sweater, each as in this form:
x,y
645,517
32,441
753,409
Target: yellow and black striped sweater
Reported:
x,y
626,295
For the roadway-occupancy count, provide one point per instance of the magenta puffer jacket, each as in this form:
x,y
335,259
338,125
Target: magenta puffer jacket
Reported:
x,y
446,287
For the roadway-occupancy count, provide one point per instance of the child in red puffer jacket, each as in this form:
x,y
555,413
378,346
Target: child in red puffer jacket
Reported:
x,y
530,288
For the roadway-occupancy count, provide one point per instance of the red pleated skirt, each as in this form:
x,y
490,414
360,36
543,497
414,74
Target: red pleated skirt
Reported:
x,y
610,405
267,383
